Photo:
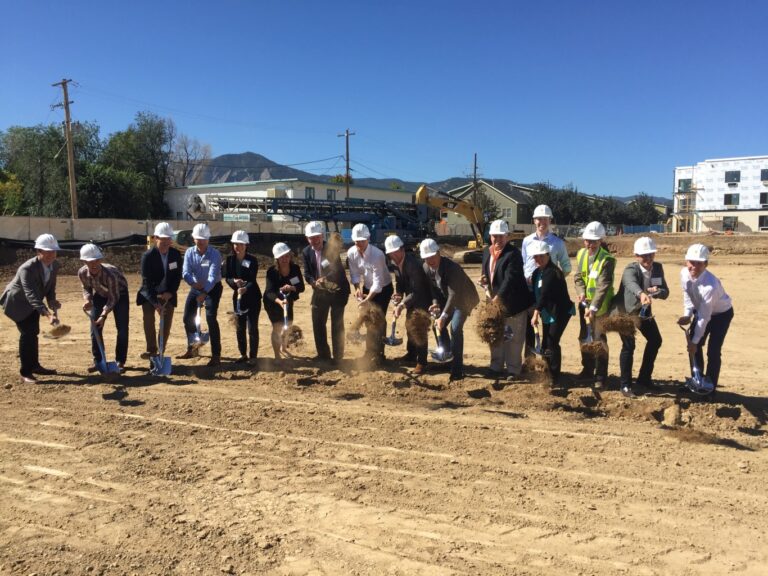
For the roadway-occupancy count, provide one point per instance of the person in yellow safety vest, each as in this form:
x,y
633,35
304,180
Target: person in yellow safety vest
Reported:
x,y
594,288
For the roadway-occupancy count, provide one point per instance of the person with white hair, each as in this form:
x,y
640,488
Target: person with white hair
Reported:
x,y
553,305
105,290
502,275
642,282
239,272
283,286
324,271
369,274
22,301
202,271
161,268
594,288
707,307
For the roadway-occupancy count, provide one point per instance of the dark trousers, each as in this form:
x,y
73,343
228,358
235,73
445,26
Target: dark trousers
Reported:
x,y
591,365
650,330
416,352
374,338
714,332
120,314
249,321
322,304
150,334
211,310
29,328
551,334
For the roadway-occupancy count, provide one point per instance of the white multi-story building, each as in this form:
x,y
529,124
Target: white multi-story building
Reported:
x,y
722,194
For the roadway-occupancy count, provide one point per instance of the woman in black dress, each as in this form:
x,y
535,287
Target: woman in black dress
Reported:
x,y
553,305
284,284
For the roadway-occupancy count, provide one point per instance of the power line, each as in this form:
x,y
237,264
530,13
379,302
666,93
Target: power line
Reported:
x,y
241,167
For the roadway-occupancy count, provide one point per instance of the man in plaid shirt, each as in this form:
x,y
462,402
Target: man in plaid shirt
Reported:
x,y
105,290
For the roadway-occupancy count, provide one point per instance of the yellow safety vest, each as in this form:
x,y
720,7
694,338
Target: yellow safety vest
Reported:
x,y
590,275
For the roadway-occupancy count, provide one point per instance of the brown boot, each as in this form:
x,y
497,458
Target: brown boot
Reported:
x,y
189,354
419,370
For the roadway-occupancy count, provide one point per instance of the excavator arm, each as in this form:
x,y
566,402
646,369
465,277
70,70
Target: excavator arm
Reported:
x,y
444,202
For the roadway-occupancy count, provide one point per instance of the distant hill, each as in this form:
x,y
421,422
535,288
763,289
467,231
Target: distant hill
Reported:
x,y
249,166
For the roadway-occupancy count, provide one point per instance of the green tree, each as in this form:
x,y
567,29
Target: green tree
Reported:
x,y
145,148
487,205
103,191
642,210
10,193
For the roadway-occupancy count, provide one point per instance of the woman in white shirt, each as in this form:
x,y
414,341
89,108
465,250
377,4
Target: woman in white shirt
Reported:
x,y
708,306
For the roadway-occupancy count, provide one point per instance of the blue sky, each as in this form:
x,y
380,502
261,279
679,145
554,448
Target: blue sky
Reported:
x,y
607,95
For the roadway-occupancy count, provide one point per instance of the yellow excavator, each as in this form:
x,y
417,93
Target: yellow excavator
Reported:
x,y
474,215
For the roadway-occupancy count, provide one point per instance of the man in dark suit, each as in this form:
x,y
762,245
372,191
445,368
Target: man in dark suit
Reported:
x,y
161,268
413,293
330,290
22,301
502,273
454,296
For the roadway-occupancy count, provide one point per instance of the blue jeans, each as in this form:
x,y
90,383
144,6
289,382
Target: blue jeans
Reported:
x,y
211,309
455,341
120,314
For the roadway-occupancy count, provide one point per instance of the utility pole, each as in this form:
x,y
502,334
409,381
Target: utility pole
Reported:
x,y
474,182
347,134
70,147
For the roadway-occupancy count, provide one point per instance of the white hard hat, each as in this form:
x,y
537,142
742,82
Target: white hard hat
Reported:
x,y
240,237
499,227
428,248
645,245
360,232
697,253
594,231
538,247
163,230
314,228
392,244
201,231
280,249
90,252
542,211
46,242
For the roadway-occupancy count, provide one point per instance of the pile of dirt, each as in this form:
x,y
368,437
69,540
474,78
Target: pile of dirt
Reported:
x,y
490,322
595,348
371,316
624,324
417,327
295,337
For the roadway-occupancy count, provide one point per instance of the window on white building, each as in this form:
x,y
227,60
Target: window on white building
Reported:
x,y
732,176
309,192
764,198
730,223
684,185
762,223
330,194
731,199
764,174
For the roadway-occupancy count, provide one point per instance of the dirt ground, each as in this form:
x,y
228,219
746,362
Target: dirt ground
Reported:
x,y
302,468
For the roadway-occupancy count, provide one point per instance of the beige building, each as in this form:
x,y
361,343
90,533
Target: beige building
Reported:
x,y
514,204
225,201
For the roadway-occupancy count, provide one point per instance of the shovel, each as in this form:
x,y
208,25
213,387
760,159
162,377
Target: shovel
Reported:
x,y
284,332
440,354
591,346
537,339
392,340
697,383
199,338
237,312
161,364
104,367
57,328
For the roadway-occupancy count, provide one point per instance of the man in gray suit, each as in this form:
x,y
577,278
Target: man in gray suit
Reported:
x,y
22,301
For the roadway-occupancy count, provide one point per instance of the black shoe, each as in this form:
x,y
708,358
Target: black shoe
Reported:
x,y
406,358
214,361
599,383
513,378
626,391
43,371
650,384
585,374
455,377
241,360
28,378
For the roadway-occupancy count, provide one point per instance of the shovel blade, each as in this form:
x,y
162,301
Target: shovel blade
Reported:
x,y
393,341
161,366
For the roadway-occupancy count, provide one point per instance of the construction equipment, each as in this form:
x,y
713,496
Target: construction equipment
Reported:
x,y
104,367
161,364
477,220
698,383
199,338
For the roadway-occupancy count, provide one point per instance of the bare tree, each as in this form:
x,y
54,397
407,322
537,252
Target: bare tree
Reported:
x,y
189,160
